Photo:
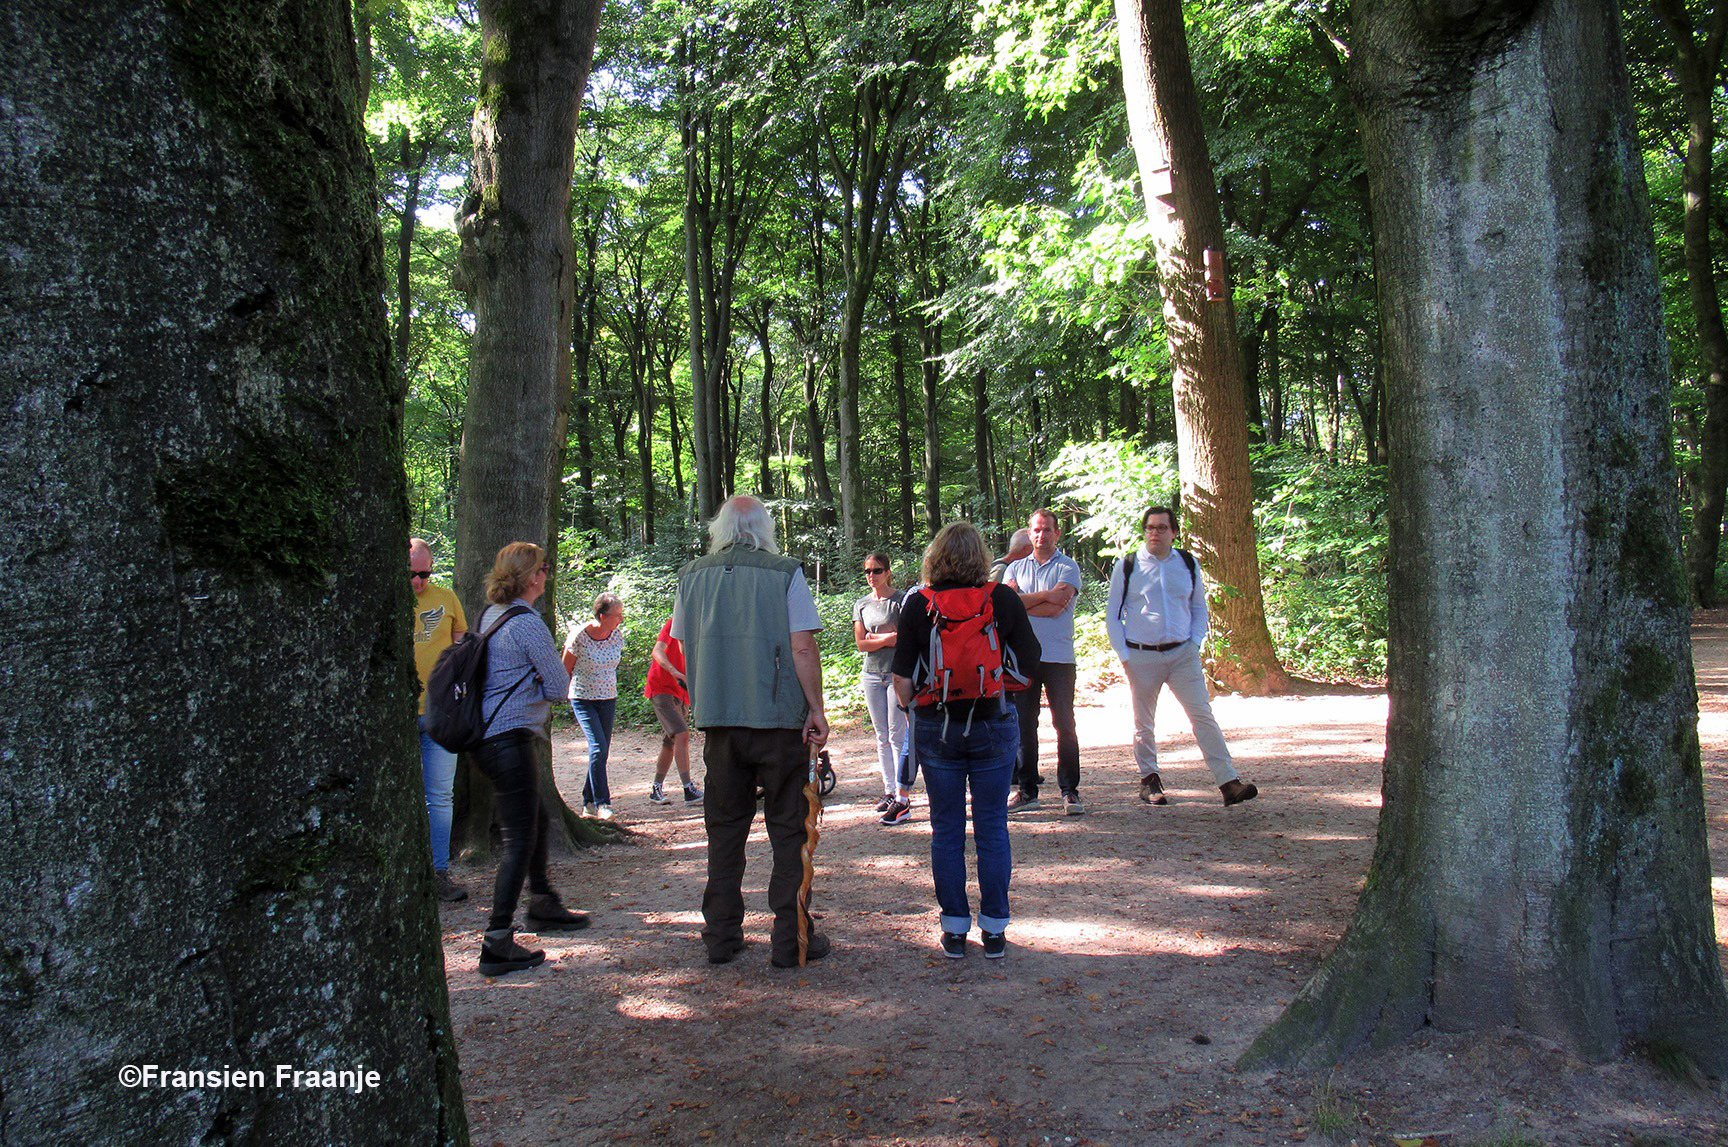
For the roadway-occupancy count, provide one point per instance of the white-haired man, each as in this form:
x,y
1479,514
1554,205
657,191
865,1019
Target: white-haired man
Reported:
x,y
748,622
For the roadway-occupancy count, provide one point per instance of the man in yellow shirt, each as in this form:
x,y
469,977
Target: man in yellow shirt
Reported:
x,y
438,622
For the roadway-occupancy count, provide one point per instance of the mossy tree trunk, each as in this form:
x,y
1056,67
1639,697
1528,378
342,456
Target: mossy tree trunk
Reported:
x,y
1208,376
215,840
518,266
1541,858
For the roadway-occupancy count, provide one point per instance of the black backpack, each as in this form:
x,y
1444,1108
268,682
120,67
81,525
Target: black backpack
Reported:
x,y
455,717
1128,571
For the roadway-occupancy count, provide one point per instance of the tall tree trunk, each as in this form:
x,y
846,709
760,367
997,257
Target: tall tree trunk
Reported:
x,y
518,265
413,169
930,374
902,428
198,430
1541,857
1697,68
1211,423
518,260
981,437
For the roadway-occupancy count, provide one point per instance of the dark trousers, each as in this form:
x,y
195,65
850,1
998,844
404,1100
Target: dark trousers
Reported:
x,y
1056,681
508,760
739,760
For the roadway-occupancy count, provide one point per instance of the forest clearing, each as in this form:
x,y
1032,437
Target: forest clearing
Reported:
x,y
1149,947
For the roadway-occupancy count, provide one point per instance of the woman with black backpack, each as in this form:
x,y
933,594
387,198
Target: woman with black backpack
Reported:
x,y
524,675
962,643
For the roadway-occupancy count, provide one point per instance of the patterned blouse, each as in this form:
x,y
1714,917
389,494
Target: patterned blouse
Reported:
x,y
595,677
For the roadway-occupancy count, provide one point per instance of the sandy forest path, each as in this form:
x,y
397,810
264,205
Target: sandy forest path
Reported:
x,y
1149,946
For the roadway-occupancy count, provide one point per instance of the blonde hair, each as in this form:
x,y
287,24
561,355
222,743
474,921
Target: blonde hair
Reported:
x,y
512,570
957,556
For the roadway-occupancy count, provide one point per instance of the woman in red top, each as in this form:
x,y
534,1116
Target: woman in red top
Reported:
x,y
666,689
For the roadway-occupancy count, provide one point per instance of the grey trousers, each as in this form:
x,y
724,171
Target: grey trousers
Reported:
x,y
1179,668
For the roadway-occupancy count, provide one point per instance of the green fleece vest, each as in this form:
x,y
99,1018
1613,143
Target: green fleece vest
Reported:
x,y
738,641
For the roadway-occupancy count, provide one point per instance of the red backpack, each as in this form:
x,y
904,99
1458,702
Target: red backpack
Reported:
x,y
965,660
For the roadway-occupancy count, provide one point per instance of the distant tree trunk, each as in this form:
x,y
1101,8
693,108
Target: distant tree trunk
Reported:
x,y
931,376
413,165
869,176
518,264
585,308
1541,857
215,836
668,359
1697,68
902,429
1211,423
981,436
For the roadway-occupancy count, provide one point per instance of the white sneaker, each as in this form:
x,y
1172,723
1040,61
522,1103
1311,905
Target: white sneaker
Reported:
x,y
588,810
604,812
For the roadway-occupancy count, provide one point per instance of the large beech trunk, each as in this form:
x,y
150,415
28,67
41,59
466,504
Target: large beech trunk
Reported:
x,y
1208,375
215,836
518,265
1541,858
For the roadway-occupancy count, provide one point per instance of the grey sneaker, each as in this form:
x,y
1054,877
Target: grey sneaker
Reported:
x,y
692,794
449,891
1152,790
1071,804
995,945
954,945
1020,802
657,794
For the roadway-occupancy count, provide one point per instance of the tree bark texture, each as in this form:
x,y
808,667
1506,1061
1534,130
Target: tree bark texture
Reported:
x,y
1206,359
1541,856
215,835
519,266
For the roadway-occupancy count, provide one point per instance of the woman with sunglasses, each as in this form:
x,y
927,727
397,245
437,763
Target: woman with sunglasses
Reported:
x,y
524,675
875,623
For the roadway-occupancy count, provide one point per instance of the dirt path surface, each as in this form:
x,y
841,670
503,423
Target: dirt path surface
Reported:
x,y
1149,946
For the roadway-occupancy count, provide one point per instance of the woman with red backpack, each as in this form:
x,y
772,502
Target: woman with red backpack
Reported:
x,y
962,643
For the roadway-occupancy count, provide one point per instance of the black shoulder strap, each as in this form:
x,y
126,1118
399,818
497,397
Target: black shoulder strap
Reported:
x,y
513,611
1193,570
1127,572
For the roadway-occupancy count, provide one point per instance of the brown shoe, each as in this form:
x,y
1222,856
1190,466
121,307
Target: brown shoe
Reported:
x,y
1235,792
546,913
1152,790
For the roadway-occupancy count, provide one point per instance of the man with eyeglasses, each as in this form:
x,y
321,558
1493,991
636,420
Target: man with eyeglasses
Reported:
x,y
438,622
1156,617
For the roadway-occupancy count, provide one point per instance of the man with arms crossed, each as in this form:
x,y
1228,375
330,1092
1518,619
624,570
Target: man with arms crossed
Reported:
x,y
438,622
1156,617
1048,581
748,623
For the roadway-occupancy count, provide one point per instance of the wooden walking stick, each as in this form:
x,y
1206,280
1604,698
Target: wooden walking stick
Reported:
x,y
812,817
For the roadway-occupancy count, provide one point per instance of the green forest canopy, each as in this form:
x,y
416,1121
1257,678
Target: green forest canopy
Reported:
x,y
1011,352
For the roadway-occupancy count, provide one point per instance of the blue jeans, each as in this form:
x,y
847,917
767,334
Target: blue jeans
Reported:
x,y
982,759
438,774
595,717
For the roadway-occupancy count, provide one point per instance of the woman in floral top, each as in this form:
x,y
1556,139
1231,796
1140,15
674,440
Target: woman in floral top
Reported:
x,y
592,655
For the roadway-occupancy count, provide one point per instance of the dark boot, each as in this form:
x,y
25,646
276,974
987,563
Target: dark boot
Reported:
x,y
1152,789
1235,792
500,953
546,913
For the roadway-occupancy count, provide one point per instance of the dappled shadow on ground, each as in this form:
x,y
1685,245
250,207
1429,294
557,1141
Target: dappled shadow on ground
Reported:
x,y
1149,946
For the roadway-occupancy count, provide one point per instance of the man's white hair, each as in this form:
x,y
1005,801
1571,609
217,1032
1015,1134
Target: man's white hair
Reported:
x,y
1021,540
742,520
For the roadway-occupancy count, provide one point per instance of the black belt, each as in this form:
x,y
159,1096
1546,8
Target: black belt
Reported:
x,y
1165,648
